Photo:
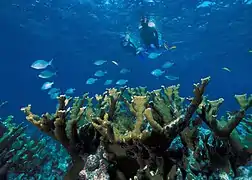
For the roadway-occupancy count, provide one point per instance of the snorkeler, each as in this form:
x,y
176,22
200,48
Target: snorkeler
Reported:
x,y
149,34
128,45
130,48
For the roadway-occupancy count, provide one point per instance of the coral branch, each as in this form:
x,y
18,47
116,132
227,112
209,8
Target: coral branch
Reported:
x,y
209,114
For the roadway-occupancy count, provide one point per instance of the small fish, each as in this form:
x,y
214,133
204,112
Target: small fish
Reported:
x,y
167,65
46,74
157,72
173,47
70,91
47,85
121,82
91,81
149,1
206,4
172,78
154,55
100,73
108,82
53,90
41,64
114,62
124,71
178,42
55,95
99,62
3,103
250,51
226,69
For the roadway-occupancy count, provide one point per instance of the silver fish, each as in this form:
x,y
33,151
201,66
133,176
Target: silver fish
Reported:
x,y
154,55
99,62
149,1
172,78
91,81
122,82
108,82
167,65
46,74
115,63
157,72
124,71
100,73
70,91
41,64
47,85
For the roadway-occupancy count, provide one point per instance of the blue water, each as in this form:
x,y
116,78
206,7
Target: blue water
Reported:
x,y
77,33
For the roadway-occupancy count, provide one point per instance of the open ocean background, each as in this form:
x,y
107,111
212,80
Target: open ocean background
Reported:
x,y
77,33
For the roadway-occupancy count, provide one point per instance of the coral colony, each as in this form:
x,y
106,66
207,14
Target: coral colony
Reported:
x,y
130,133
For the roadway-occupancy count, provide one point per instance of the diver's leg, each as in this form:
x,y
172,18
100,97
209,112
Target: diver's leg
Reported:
x,y
156,43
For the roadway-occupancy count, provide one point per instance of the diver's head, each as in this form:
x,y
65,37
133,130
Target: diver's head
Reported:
x,y
144,21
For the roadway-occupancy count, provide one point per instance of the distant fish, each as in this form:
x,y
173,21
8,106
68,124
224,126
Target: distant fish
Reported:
x,y
206,4
124,71
121,82
41,64
157,72
55,95
99,62
53,90
3,103
47,85
226,69
149,1
91,81
167,65
154,55
70,91
108,82
172,78
178,42
100,73
46,74
114,62
250,51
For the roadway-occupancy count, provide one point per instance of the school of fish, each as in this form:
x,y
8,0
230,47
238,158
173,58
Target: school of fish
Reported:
x,y
48,72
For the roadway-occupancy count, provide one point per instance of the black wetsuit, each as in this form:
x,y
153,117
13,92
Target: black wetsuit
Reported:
x,y
149,35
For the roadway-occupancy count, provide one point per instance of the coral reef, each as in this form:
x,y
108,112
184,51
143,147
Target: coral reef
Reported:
x,y
130,133
23,157
96,166
20,155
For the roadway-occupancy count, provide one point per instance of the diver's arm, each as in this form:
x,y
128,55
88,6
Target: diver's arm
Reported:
x,y
132,45
156,43
155,32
